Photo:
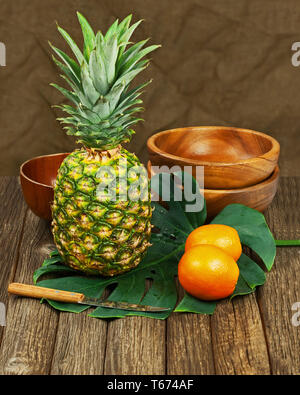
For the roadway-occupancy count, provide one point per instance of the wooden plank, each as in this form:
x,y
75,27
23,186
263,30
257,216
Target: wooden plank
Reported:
x,y
189,348
12,215
189,343
80,345
135,345
29,336
239,344
282,289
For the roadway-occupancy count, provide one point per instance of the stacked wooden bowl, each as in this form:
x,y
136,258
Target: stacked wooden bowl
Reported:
x,y
240,165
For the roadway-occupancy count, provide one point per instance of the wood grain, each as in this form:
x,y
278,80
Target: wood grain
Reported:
x,y
136,345
12,215
281,289
189,343
29,336
80,345
258,196
239,344
231,157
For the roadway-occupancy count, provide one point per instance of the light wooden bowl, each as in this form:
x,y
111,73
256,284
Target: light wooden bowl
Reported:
x,y
232,157
37,176
257,196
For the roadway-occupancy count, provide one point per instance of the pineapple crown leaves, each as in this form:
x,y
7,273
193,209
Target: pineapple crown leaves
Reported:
x,y
103,106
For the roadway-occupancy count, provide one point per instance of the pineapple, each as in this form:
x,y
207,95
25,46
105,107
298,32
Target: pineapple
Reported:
x,y
97,231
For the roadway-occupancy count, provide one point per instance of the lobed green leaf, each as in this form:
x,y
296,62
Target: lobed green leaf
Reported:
x,y
252,229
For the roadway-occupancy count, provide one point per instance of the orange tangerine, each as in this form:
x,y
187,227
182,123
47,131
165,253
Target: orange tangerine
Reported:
x,y
207,272
222,236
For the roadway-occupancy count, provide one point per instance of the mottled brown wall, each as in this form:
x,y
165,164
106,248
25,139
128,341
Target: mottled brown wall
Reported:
x,y
224,62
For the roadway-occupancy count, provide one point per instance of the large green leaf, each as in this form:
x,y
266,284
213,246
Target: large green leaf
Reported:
x,y
251,272
130,286
252,229
189,304
172,226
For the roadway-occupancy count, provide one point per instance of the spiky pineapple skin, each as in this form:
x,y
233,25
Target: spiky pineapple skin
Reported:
x,y
92,235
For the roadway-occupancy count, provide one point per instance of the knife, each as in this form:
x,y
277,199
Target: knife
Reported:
x,y
35,291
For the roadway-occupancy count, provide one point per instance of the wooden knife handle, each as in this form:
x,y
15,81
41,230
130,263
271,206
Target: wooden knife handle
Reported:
x,y
34,291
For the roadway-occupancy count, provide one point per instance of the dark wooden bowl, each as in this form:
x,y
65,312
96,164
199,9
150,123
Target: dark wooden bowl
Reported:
x,y
38,177
257,196
232,157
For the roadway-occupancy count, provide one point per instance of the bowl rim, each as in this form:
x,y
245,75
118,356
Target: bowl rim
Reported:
x,y
34,158
151,145
273,177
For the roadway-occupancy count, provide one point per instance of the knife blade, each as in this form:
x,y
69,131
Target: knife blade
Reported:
x,y
35,291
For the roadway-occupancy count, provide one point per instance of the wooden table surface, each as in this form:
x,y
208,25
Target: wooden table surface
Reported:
x,y
250,335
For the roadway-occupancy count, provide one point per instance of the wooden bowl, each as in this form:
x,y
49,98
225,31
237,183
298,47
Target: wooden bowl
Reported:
x,y
257,196
38,177
232,157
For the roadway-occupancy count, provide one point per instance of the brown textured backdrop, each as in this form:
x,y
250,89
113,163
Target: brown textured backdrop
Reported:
x,y
223,62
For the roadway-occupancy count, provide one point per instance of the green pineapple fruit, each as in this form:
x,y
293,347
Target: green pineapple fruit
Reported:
x,y
94,230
